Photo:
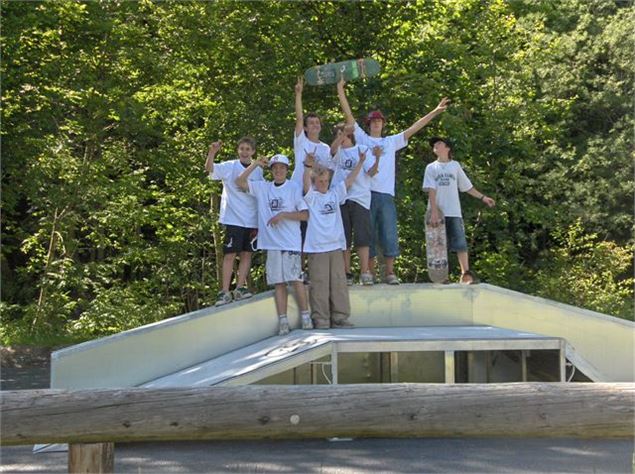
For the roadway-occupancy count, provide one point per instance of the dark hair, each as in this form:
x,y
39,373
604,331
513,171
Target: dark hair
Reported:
x,y
249,141
340,127
310,115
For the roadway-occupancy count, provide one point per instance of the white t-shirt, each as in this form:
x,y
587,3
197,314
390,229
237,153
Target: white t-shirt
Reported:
x,y
325,231
384,180
301,144
272,199
447,179
346,160
236,206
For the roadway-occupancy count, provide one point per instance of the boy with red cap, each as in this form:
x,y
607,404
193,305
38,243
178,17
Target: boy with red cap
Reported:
x,y
383,210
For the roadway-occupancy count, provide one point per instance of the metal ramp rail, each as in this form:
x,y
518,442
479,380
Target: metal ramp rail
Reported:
x,y
280,353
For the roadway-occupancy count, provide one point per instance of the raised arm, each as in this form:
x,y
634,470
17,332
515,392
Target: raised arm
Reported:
x,y
242,180
211,154
299,113
350,179
481,197
346,108
337,143
423,121
309,163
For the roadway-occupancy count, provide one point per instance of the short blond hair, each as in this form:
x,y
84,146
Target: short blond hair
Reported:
x,y
318,171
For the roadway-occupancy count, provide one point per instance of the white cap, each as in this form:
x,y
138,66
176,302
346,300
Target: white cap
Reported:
x,y
278,159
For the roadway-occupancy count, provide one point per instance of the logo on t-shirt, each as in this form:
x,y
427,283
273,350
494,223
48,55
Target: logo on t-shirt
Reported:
x,y
328,208
349,164
276,204
443,179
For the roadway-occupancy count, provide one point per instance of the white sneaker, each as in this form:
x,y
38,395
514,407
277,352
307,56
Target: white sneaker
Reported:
x,y
307,323
223,298
242,293
366,279
283,328
392,279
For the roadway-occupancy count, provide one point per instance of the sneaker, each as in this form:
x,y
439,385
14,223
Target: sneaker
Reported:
x,y
366,279
223,298
242,293
306,322
349,279
392,279
468,278
283,326
342,325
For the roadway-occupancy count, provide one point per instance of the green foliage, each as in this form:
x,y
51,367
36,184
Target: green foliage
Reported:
x,y
590,273
108,108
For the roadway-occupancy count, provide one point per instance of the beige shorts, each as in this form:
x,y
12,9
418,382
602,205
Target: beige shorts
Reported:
x,y
283,266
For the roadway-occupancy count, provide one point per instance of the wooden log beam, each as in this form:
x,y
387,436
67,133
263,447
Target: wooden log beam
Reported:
x,y
370,410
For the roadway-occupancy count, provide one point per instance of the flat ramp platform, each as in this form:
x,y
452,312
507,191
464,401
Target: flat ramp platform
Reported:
x,y
280,353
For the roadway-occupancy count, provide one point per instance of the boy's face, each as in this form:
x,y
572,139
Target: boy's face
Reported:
x,y
376,126
245,152
441,149
321,182
279,172
313,126
348,139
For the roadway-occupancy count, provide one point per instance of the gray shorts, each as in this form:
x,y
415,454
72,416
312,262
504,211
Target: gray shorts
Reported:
x,y
283,266
455,232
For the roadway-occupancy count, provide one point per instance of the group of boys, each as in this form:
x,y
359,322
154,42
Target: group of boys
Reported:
x,y
338,196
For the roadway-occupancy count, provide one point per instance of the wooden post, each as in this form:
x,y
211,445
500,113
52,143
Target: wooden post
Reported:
x,y
91,458
605,410
449,367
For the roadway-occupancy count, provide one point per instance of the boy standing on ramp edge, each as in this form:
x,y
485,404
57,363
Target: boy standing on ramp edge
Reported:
x,y
238,217
443,180
280,210
382,206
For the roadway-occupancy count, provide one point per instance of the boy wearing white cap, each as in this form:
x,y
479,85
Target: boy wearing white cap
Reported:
x,y
280,210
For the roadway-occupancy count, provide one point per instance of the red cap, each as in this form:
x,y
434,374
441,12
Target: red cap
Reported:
x,y
375,114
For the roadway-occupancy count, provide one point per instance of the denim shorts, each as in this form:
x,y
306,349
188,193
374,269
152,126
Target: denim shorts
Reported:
x,y
455,232
383,220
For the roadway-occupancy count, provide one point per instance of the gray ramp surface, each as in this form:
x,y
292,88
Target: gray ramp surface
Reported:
x,y
301,346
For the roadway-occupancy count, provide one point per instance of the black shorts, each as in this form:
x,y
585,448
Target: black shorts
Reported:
x,y
356,220
239,239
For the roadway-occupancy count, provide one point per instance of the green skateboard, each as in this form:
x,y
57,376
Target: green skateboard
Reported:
x,y
349,70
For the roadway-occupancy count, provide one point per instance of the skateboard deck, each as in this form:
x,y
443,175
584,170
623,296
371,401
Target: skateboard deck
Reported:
x,y
350,70
436,250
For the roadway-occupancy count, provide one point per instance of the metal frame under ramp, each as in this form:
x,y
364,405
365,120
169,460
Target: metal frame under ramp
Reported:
x,y
280,353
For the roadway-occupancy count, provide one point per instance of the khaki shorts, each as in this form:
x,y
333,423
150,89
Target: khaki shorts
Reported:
x,y
283,266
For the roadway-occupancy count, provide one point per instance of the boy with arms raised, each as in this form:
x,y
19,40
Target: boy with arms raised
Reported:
x,y
356,209
306,138
324,243
280,210
383,210
443,180
238,215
